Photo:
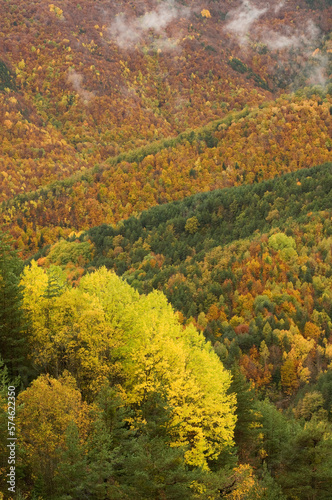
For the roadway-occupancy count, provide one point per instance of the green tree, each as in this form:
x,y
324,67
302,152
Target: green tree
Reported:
x,y
12,331
275,432
100,457
270,489
307,463
145,465
70,477
245,433
5,382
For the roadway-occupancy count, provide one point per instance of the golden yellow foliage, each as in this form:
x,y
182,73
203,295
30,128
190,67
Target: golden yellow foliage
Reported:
x,y
85,329
46,409
205,13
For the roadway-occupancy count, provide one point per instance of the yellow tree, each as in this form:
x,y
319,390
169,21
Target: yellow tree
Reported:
x,y
102,330
45,411
69,331
158,355
289,377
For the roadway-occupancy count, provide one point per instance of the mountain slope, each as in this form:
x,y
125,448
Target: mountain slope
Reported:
x,y
82,84
273,282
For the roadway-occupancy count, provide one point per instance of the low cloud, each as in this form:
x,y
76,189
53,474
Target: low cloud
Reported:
x,y
128,32
279,6
308,36
165,44
318,73
276,41
243,18
124,32
304,41
76,80
241,24
315,63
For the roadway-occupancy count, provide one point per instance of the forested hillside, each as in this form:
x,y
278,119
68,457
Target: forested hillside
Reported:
x,y
243,148
166,249
102,106
251,268
251,265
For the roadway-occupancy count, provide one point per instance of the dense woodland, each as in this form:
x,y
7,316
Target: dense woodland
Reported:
x,y
250,265
97,126
166,249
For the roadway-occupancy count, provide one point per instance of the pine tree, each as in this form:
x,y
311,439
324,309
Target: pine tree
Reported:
x,y
307,463
100,446
5,382
70,476
145,465
12,342
245,432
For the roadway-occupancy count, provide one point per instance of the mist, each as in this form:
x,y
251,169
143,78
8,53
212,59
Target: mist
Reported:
x,y
294,38
243,18
128,32
241,24
76,80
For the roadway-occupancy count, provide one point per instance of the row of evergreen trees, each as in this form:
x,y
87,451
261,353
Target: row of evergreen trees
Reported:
x,y
191,226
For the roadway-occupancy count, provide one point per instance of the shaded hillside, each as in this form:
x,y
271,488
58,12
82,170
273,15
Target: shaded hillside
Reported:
x,y
220,217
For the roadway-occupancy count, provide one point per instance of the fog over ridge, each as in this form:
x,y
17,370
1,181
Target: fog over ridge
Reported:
x,y
128,32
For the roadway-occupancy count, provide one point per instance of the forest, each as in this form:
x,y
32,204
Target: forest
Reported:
x,y
166,250
250,266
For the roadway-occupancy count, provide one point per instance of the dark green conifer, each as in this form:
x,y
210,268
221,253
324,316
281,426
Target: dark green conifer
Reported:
x,y
12,327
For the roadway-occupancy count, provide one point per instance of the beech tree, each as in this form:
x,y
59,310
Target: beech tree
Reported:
x,y
46,410
103,330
